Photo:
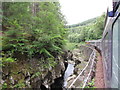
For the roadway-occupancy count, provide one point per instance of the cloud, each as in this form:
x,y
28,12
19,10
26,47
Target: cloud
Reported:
x,y
77,11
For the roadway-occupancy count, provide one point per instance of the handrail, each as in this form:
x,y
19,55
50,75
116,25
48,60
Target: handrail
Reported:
x,y
82,70
89,71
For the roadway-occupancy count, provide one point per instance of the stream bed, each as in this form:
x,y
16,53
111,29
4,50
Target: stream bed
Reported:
x,y
69,71
61,82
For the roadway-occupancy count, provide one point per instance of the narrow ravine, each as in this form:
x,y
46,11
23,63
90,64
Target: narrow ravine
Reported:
x,y
78,61
68,72
61,82
75,66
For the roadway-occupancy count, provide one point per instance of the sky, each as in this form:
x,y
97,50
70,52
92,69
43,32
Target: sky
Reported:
x,y
76,11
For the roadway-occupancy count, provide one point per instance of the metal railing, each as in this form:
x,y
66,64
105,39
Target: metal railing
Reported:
x,y
91,60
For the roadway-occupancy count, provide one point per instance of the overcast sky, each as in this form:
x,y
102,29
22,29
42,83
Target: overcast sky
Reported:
x,y
76,11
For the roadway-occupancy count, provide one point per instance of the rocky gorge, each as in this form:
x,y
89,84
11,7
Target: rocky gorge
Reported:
x,y
32,74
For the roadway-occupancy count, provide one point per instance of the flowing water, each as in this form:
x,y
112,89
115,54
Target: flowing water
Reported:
x,y
68,72
62,81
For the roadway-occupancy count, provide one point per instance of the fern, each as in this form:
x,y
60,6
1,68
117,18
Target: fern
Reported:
x,y
56,36
45,52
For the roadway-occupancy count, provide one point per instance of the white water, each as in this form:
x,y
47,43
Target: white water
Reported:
x,y
68,72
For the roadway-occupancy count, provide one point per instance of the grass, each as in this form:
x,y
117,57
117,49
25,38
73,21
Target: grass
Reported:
x,y
82,43
71,46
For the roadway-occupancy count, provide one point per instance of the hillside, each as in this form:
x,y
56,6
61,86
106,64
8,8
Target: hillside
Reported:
x,y
83,23
87,30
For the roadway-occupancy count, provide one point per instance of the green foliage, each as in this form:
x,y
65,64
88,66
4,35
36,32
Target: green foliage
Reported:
x,y
5,59
4,85
88,30
71,46
9,59
43,50
33,30
83,23
91,85
51,62
36,74
90,88
19,85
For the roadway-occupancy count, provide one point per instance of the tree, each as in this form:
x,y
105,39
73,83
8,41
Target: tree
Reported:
x,y
33,29
87,30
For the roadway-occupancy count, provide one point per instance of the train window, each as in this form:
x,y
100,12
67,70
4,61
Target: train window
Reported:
x,y
115,51
106,48
106,58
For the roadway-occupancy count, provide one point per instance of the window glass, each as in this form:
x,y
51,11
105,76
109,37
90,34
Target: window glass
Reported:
x,y
115,48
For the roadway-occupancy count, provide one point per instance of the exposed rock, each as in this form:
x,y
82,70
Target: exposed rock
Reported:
x,y
11,80
80,58
71,62
76,71
69,55
71,77
32,74
85,52
77,62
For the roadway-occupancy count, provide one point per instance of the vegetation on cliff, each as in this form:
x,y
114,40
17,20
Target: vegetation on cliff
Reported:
x,y
33,35
32,30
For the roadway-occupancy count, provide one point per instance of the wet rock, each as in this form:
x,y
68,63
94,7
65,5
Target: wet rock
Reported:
x,y
85,52
42,87
71,62
58,83
50,77
77,62
32,73
11,80
80,58
76,71
71,77
69,55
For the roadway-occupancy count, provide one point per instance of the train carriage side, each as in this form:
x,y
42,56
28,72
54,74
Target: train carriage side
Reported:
x,y
106,54
115,82
111,50
110,47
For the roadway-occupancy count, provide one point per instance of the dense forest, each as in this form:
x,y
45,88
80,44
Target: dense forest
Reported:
x,y
91,29
30,31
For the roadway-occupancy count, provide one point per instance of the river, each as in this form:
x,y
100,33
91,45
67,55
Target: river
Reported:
x,y
68,72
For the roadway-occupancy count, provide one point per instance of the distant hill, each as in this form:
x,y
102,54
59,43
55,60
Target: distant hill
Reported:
x,y
83,23
90,29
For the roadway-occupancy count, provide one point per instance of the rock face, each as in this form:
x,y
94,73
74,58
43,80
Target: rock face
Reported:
x,y
80,58
34,74
85,52
31,74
